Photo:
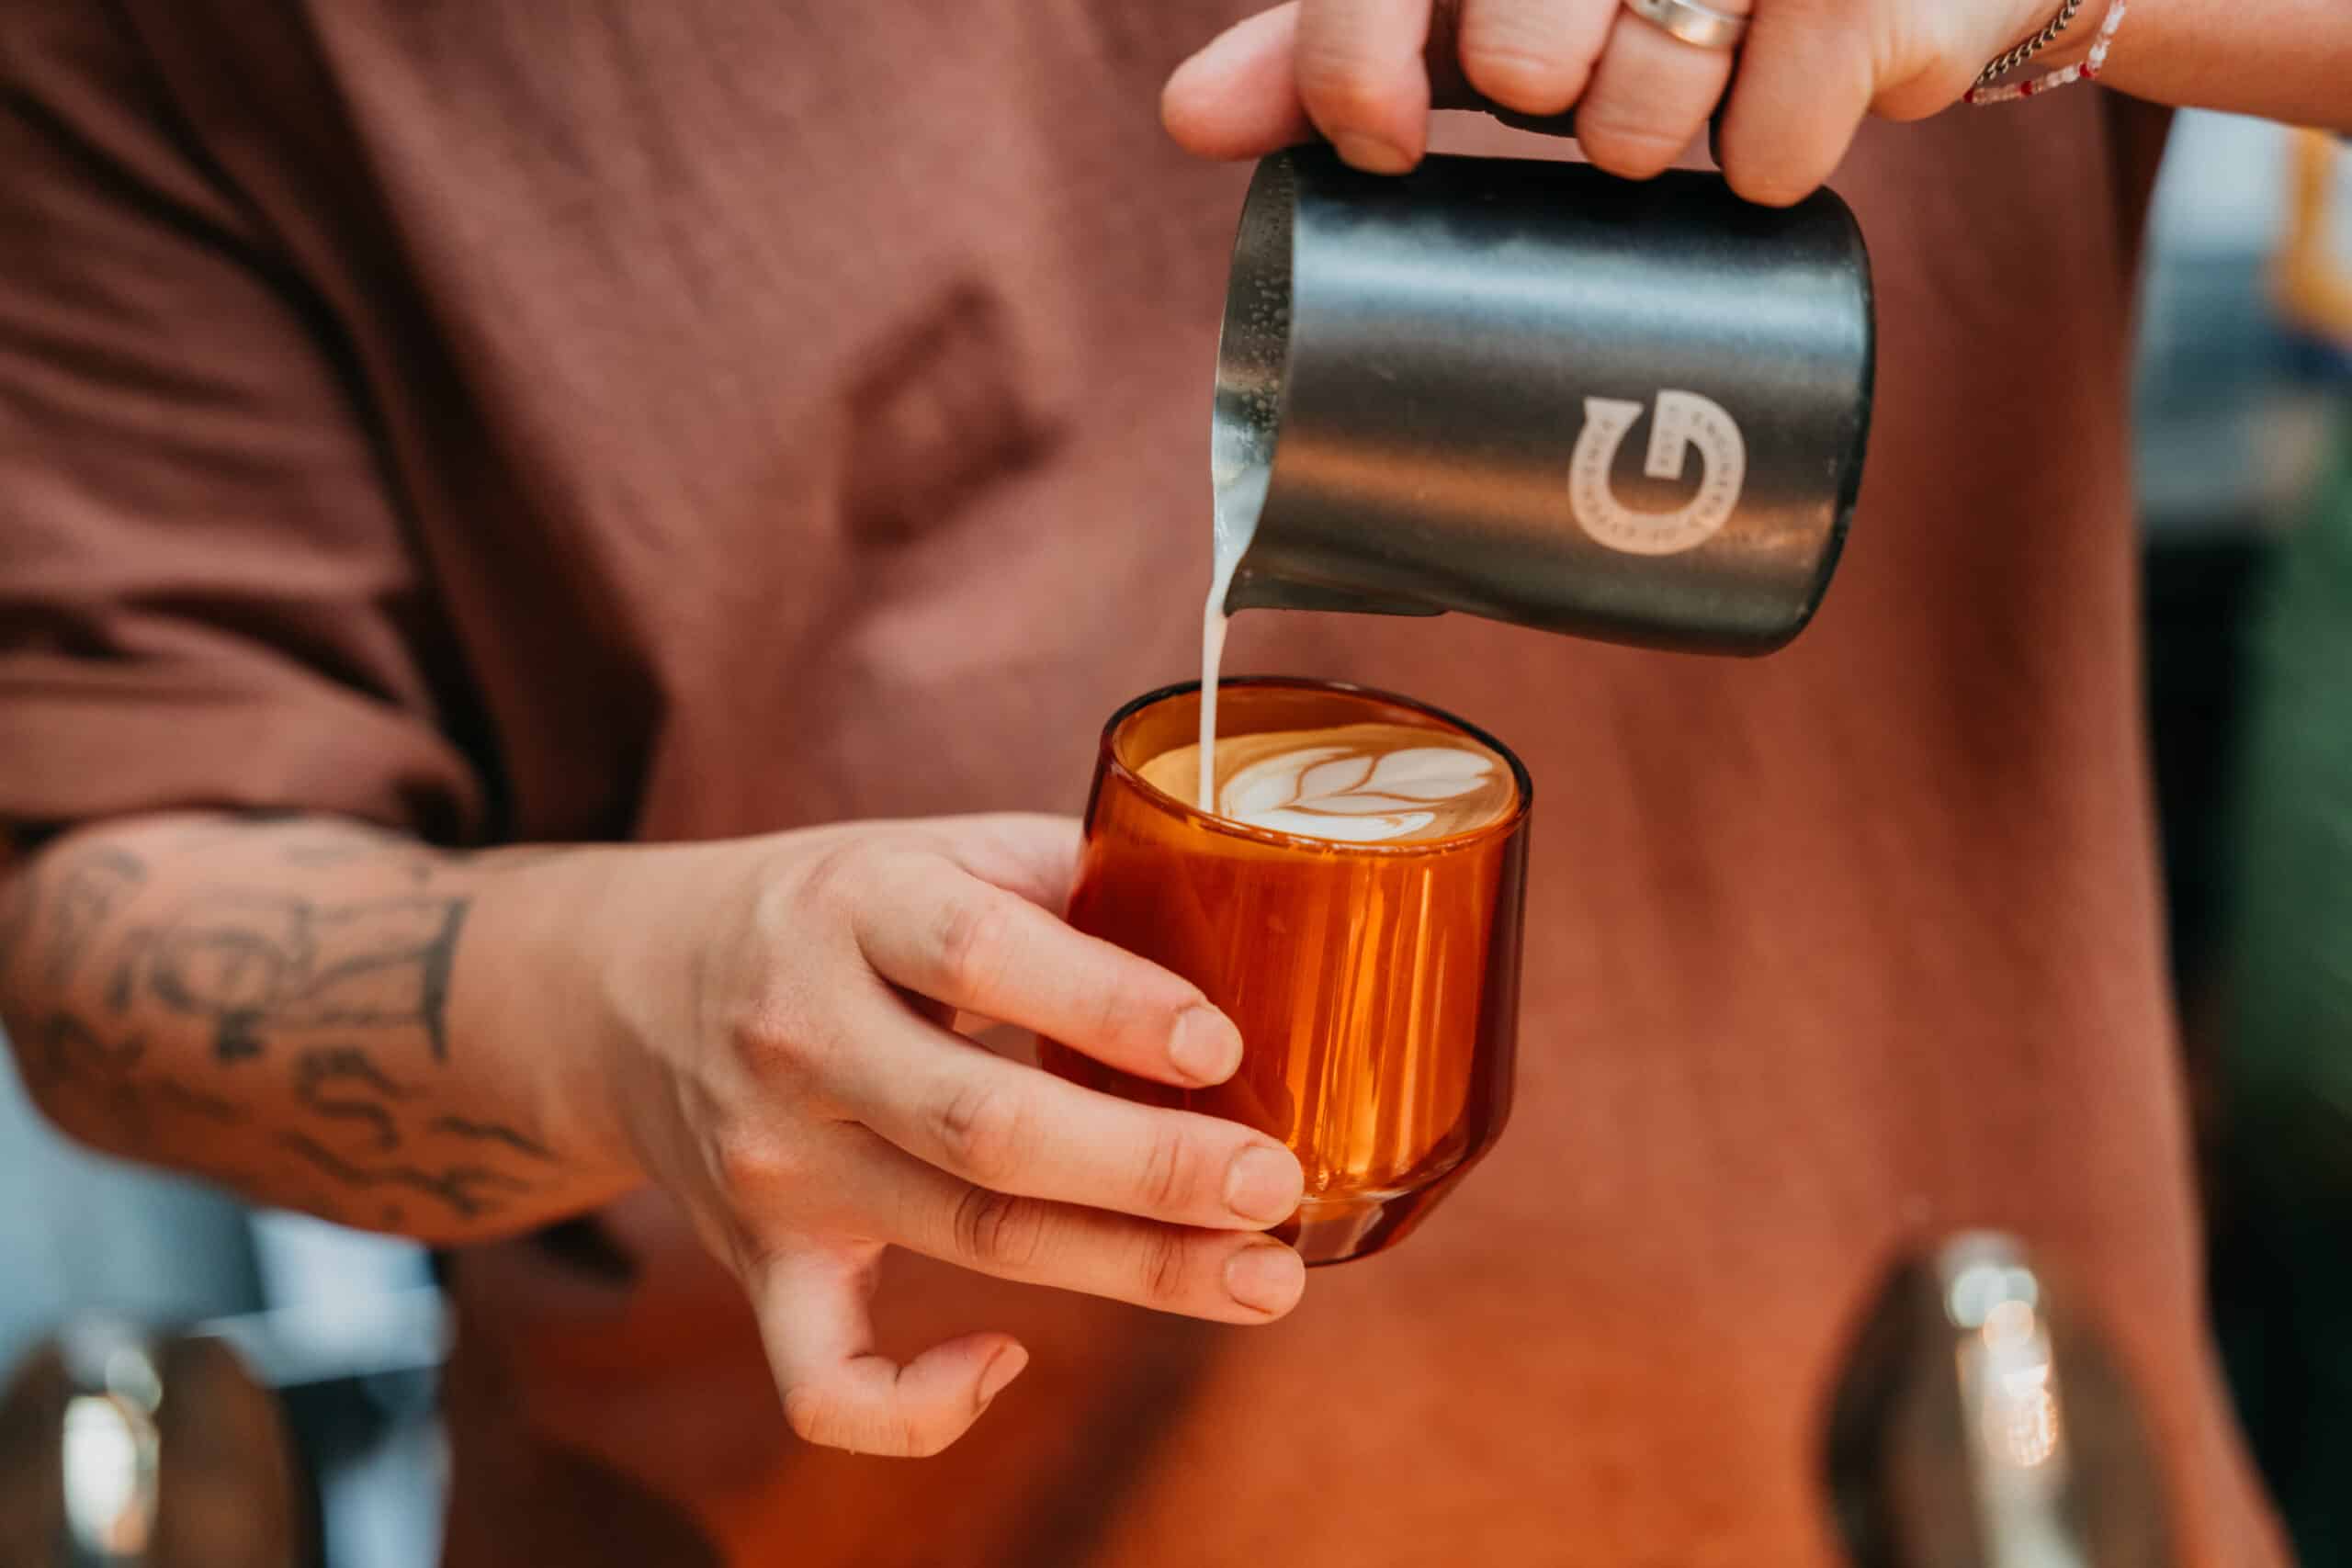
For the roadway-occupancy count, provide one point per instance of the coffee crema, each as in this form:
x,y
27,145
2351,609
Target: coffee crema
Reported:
x,y
1351,784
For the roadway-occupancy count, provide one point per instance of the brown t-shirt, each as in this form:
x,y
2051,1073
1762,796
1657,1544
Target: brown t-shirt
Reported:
x,y
531,422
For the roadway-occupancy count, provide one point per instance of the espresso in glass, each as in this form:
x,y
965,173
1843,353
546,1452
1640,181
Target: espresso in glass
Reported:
x,y
1352,902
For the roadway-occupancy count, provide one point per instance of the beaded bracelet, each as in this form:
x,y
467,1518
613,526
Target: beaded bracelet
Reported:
x,y
2084,69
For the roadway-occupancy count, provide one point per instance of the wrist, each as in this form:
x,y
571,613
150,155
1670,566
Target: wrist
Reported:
x,y
2069,47
2073,49
531,993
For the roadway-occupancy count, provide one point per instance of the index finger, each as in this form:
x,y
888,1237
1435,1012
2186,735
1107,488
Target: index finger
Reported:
x,y
928,925
1238,97
1353,70
1362,79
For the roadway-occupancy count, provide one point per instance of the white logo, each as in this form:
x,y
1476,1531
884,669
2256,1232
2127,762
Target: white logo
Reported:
x,y
1684,419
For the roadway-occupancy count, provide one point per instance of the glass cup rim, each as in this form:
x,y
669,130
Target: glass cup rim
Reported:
x,y
1109,761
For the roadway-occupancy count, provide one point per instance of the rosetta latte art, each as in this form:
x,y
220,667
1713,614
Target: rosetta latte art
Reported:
x,y
1353,783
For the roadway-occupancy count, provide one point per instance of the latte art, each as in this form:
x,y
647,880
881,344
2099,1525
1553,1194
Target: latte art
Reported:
x,y
1352,784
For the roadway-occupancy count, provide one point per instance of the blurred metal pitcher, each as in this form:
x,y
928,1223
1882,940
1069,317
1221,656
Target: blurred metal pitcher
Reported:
x,y
119,1450
1537,392
1982,1421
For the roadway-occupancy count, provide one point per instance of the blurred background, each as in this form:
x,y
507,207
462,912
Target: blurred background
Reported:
x,y
2245,473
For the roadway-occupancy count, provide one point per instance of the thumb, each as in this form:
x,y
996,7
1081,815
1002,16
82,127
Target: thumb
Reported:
x,y
814,1305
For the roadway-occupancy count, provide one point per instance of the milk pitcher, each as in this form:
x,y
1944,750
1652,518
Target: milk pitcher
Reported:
x,y
1537,392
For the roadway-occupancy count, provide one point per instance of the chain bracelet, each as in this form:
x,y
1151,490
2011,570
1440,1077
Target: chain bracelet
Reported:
x,y
2016,57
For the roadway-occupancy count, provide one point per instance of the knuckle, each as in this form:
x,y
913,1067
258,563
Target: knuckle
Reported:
x,y
816,1416
766,1035
1120,1009
1000,1231
970,938
1164,1263
1518,74
1626,144
982,1130
923,1440
1168,1172
750,1164
828,1419
1340,88
836,877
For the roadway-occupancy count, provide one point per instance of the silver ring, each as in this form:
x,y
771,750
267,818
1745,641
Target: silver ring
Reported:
x,y
1701,26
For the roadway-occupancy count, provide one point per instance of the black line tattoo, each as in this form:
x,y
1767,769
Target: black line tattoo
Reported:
x,y
68,1052
179,1096
64,1048
460,1127
385,1136
320,1067
465,1188
316,1075
308,1200
93,884
256,964
126,970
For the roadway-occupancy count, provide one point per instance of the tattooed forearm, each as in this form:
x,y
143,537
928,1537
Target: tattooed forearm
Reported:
x,y
269,1002
177,1095
66,1056
90,887
491,1131
469,1190
262,966
64,1047
379,1120
362,846
338,1084
317,1069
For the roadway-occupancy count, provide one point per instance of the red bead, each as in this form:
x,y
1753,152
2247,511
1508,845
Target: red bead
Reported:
x,y
2025,89
2090,71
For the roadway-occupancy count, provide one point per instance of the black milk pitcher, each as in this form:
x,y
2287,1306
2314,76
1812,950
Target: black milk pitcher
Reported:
x,y
1537,392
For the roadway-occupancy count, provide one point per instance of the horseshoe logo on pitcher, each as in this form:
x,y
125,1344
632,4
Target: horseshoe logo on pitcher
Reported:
x,y
1683,420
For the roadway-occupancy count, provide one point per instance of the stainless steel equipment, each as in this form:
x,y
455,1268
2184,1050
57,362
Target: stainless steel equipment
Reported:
x,y
1533,392
1981,1424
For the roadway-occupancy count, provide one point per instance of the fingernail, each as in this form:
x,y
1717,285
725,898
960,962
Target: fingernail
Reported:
x,y
1205,1047
1262,1184
1370,153
1265,1278
1001,1372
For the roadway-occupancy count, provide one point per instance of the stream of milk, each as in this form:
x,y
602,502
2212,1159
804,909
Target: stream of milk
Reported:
x,y
1232,521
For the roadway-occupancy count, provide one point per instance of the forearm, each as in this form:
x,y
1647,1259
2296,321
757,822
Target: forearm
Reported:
x,y
2283,60
321,1015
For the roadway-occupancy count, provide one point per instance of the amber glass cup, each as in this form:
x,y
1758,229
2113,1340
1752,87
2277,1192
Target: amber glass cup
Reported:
x,y
1375,986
